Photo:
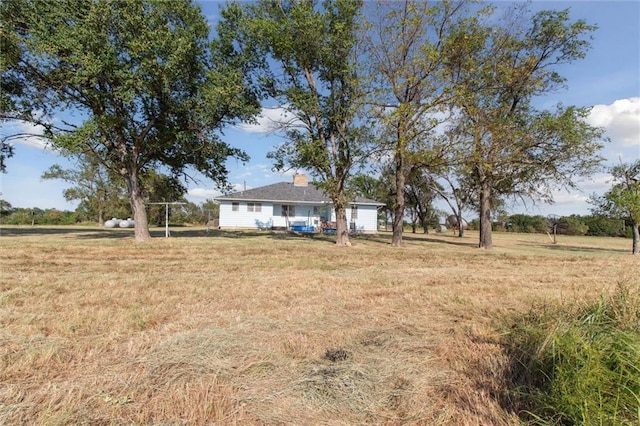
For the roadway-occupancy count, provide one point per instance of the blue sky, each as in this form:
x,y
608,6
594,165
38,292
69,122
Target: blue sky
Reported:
x,y
607,80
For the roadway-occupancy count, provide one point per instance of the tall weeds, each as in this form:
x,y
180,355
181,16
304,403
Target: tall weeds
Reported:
x,y
579,364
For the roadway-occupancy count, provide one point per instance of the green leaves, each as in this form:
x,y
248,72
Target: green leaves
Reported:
x,y
6,151
497,72
309,67
578,364
145,85
311,70
137,69
623,199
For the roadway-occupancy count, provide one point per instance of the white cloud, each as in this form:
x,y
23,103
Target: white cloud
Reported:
x,y
246,174
621,120
564,197
568,201
237,187
260,174
270,120
265,170
198,195
24,133
203,193
598,183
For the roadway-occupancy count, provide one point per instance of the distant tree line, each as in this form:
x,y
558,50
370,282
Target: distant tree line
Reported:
x,y
585,225
187,214
590,225
36,216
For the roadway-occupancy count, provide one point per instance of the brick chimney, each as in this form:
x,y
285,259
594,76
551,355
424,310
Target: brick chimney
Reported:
x,y
300,179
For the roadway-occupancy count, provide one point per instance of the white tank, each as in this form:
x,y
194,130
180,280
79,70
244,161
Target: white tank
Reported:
x,y
452,221
112,223
128,223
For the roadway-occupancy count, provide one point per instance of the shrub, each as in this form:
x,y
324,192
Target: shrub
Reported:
x,y
529,224
36,216
579,365
573,225
601,226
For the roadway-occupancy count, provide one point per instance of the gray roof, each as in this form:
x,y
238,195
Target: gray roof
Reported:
x,y
288,192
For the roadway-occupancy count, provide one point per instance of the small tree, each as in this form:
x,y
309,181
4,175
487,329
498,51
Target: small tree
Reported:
x,y
210,209
623,199
450,185
420,192
93,186
375,188
161,188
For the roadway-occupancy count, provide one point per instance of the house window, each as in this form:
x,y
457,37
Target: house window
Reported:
x,y
288,210
235,206
354,212
254,207
324,212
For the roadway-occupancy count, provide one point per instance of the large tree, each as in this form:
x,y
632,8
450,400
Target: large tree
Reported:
x,y
623,199
406,43
310,69
136,83
512,149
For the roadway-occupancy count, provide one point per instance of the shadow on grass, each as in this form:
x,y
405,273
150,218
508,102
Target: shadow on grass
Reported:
x,y
574,249
386,236
95,232
70,231
382,238
275,235
454,241
80,232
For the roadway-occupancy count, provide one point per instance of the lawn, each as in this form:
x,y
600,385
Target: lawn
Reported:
x,y
260,328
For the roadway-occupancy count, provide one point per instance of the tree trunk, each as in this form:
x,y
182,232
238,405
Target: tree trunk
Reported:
x,y
636,239
342,230
425,226
398,217
398,223
460,225
100,216
141,229
486,238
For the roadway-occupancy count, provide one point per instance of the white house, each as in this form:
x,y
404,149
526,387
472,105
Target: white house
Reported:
x,y
295,206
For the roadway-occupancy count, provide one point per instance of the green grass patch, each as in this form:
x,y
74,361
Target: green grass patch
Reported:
x,y
578,365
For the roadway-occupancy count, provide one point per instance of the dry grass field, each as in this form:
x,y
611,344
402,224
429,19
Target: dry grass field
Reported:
x,y
258,328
